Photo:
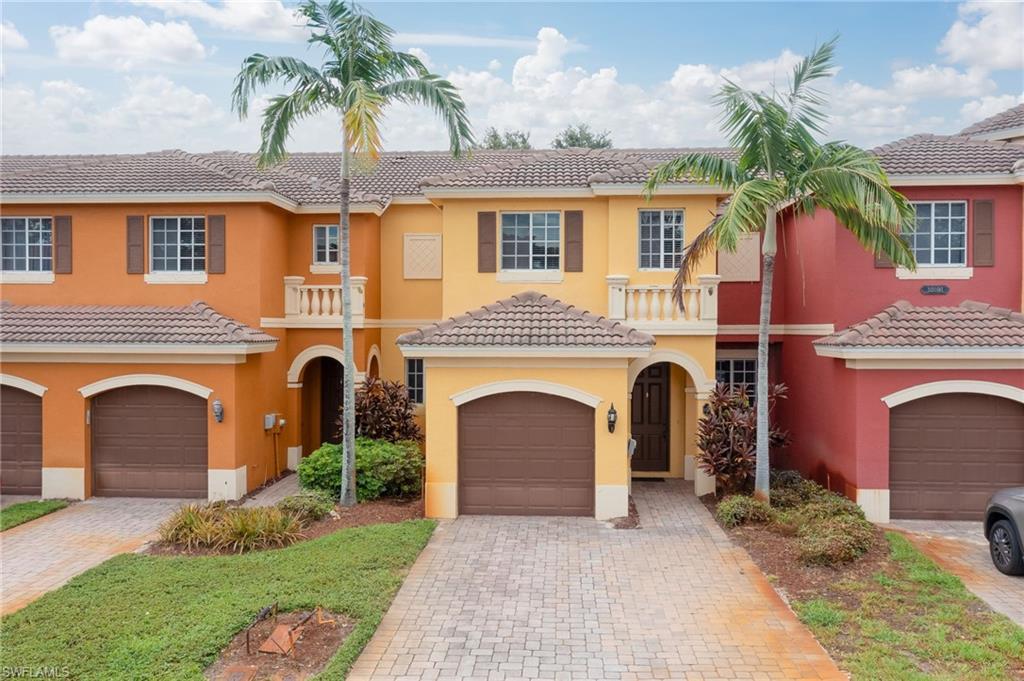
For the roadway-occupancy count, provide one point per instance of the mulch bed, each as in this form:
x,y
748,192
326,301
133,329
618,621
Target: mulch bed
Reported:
x,y
366,513
315,647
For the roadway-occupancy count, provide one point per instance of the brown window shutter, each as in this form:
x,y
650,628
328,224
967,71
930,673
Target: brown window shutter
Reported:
x,y
883,261
62,244
486,246
573,241
215,254
136,244
984,233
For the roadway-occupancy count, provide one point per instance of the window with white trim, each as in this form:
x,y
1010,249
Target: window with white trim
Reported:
x,y
325,244
661,239
531,241
737,372
940,235
26,244
177,244
414,380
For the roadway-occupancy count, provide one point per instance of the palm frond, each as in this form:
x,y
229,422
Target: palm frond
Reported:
x,y
695,167
806,103
259,70
442,97
281,114
363,107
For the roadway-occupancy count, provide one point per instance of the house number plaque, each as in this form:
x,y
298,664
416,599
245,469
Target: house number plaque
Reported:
x,y
934,289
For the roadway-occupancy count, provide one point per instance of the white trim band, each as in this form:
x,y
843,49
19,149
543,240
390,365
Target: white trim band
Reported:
x,y
22,384
531,386
943,387
417,351
145,379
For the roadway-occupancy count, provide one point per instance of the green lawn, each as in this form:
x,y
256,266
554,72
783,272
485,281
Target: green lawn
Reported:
x,y
16,514
149,617
916,622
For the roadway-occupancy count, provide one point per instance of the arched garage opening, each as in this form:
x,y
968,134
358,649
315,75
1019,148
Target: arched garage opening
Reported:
x,y
21,440
525,453
949,451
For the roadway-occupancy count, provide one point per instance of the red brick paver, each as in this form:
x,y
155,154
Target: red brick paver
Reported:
x,y
503,598
43,554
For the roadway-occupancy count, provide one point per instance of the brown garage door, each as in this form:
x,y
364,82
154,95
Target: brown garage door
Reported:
x,y
526,453
148,441
948,453
21,442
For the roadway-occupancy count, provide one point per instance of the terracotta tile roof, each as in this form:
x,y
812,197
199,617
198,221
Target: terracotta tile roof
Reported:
x,y
1004,120
948,155
197,323
902,325
525,320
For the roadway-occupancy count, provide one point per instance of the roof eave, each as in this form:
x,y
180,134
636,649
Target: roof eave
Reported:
x,y
1000,134
938,180
506,192
920,352
233,348
672,189
429,350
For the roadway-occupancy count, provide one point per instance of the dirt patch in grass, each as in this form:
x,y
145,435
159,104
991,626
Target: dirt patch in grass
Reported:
x,y
627,522
892,614
367,513
314,647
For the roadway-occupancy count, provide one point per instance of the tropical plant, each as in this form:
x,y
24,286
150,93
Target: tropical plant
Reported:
x,y
727,436
308,505
509,139
780,166
582,136
360,75
384,412
385,469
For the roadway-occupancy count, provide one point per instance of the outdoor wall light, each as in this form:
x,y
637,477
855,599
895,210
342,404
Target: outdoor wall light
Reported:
x,y
613,416
218,411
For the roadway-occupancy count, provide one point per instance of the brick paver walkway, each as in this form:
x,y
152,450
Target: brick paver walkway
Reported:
x,y
502,598
960,547
42,554
270,495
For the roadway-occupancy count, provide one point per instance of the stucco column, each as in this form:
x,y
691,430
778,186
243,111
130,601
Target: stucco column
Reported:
x,y
702,482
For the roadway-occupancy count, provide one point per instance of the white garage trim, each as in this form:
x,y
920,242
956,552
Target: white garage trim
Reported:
x,y
942,387
22,384
311,353
701,381
145,379
530,386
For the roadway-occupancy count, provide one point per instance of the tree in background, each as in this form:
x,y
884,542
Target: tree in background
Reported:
x,y
509,139
360,75
582,136
781,166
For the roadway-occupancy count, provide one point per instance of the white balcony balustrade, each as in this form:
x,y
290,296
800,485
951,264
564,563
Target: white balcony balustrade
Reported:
x,y
320,304
651,308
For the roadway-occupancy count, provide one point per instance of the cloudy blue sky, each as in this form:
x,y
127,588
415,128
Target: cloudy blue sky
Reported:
x,y
86,77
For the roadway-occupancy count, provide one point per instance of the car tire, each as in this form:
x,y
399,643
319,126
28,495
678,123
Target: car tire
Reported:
x,y
1005,549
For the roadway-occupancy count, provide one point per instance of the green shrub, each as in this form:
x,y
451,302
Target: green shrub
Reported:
x,y
307,505
741,510
383,469
833,541
830,505
782,478
384,412
193,525
797,493
262,527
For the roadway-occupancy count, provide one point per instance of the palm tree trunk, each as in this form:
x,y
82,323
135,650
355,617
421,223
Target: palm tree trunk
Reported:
x,y
348,389
768,251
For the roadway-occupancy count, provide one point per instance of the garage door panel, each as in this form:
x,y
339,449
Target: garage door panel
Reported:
x,y
149,441
21,442
949,453
526,454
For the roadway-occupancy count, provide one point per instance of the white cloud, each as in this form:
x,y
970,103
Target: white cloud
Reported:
x,y
127,43
941,81
987,35
266,20
10,38
493,65
461,40
423,57
980,109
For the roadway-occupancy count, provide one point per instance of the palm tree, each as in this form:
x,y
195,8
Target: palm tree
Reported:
x,y
360,75
782,167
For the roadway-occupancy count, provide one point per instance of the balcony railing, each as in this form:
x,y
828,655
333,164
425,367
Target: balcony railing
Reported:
x,y
320,304
651,308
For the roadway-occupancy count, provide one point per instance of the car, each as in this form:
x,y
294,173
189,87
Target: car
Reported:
x,y
1004,520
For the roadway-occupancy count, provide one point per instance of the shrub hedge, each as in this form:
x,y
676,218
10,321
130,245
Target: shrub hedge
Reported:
x,y
383,469
740,510
219,526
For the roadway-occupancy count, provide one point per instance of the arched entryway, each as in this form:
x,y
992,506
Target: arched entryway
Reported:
x,y
321,402
21,441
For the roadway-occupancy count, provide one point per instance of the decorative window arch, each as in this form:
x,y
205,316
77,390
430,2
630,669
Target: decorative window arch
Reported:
x,y
942,387
531,386
309,354
701,382
145,379
22,384
374,354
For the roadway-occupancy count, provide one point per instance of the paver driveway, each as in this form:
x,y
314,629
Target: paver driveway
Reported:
x,y
960,547
44,553
501,598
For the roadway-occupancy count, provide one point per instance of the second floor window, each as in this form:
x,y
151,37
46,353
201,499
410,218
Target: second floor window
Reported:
x,y
414,380
325,244
661,239
27,244
738,373
178,244
531,241
940,237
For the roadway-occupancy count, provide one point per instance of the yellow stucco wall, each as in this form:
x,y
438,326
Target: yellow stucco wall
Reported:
x,y
606,379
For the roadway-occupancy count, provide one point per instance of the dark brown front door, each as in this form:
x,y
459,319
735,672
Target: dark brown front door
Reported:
x,y
526,453
949,453
149,441
21,442
330,399
649,418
